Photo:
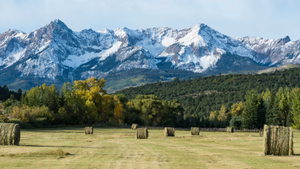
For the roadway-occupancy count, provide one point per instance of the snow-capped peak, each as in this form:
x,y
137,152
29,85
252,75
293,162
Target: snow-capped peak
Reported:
x,y
55,50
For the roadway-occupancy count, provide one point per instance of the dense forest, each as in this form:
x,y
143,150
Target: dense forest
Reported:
x,y
203,96
5,93
241,101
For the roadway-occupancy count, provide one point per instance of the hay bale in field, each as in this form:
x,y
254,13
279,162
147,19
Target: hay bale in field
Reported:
x,y
261,133
142,133
169,131
134,126
195,130
278,140
230,129
88,130
9,134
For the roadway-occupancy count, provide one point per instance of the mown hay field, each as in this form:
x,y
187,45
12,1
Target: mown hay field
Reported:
x,y
69,147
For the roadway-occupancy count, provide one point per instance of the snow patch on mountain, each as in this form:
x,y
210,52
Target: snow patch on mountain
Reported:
x,y
49,51
111,50
14,56
167,41
74,61
209,61
192,37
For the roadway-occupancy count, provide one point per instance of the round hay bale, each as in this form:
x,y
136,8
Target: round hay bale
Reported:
x,y
266,139
9,134
88,130
291,151
169,131
278,140
142,133
230,129
134,126
195,130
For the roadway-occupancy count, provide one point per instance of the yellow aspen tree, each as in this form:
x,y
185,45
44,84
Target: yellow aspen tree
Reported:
x,y
222,113
118,113
237,109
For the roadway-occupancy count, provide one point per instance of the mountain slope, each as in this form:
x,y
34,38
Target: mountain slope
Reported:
x,y
55,53
280,68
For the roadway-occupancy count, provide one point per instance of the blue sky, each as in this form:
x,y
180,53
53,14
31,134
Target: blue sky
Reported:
x,y
270,19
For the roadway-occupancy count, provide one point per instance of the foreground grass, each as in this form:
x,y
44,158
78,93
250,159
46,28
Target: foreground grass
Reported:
x,y
119,148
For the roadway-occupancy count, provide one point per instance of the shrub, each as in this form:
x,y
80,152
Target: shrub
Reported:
x,y
3,118
236,122
28,114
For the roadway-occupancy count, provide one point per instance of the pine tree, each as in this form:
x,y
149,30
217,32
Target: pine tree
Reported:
x,y
261,113
296,108
268,101
280,108
273,114
250,115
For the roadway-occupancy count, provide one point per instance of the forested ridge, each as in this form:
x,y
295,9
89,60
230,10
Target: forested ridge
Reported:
x,y
204,95
213,91
241,101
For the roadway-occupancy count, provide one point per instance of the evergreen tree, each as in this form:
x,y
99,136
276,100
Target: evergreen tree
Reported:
x,y
273,115
280,108
296,108
268,101
250,115
236,122
261,112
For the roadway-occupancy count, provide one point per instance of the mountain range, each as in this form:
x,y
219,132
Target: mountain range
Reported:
x,y
56,54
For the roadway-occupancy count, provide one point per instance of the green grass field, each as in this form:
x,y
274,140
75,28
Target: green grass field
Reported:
x,y
119,148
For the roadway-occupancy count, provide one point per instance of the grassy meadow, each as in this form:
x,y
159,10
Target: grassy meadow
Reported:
x,y
69,147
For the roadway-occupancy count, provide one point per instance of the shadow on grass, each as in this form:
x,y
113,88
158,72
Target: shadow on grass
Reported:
x,y
71,129
62,146
59,152
55,130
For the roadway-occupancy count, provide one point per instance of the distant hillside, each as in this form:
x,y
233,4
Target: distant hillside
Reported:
x,y
281,68
205,94
139,77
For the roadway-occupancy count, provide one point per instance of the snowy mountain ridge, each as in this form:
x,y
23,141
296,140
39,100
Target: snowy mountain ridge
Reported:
x,y
56,51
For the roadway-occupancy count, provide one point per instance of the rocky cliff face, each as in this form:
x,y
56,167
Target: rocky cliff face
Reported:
x,y
56,52
277,52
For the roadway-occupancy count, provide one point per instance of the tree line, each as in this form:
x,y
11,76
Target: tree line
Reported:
x,y
5,93
241,101
281,108
201,96
86,102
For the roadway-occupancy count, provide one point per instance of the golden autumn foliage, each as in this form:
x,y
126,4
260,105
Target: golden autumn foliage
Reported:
x,y
98,106
213,115
86,102
118,113
237,109
222,113
28,114
107,108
